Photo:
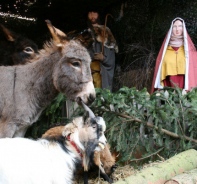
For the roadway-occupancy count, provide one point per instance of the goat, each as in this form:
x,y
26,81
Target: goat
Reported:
x,y
16,49
98,159
102,160
51,160
26,90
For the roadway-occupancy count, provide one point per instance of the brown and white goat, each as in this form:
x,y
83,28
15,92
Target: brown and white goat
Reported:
x,y
26,90
51,160
102,160
15,49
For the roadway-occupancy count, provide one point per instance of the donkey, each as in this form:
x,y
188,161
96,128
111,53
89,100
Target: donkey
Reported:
x,y
53,160
88,37
26,90
15,49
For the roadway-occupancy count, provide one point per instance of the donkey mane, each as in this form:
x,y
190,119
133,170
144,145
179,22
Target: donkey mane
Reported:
x,y
49,47
26,90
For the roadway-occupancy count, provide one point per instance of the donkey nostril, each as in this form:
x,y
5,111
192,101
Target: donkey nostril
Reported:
x,y
91,99
78,100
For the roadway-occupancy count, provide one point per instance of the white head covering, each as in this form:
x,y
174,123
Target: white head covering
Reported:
x,y
175,40
185,43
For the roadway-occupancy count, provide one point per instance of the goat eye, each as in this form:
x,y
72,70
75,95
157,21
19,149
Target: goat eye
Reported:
x,y
94,126
28,50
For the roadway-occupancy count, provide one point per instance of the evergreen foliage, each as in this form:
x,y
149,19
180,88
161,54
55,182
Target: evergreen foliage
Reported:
x,y
140,28
136,119
140,125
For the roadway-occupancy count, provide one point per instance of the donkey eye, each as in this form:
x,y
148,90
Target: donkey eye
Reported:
x,y
28,50
76,64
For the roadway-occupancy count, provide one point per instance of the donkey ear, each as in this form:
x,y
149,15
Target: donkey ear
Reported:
x,y
9,34
58,36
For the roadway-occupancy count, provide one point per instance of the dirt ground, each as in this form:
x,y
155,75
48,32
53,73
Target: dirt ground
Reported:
x,y
119,173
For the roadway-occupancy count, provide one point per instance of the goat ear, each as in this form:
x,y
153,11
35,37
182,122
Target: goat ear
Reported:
x,y
9,34
58,36
66,132
68,129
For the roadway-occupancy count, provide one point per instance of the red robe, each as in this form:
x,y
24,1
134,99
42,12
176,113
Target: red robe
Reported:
x,y
191,61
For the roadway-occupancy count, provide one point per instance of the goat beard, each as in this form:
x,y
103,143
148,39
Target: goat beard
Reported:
x,y
89,152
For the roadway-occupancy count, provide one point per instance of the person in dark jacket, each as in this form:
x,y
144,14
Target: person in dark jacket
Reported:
x,y
102,52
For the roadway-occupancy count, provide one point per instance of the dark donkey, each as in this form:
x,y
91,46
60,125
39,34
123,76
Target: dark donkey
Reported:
x,y
62,66
14,48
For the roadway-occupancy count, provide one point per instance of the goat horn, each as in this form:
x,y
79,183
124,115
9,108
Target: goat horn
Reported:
x,y
91,114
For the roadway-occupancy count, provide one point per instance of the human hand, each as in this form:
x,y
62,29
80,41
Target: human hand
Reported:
x,y
99,56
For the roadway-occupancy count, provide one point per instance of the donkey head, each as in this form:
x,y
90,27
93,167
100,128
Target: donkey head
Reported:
x,y
72,75
16,49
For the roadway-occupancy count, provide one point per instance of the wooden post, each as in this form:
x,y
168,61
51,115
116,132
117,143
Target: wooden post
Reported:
x,y
162,172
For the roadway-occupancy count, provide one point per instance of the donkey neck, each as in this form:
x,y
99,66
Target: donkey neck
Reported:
x,y
39,81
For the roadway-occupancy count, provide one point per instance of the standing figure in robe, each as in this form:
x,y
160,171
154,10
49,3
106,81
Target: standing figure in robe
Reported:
x,y
176,63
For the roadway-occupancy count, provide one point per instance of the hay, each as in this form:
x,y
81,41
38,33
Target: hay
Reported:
x,y
119,173
138,78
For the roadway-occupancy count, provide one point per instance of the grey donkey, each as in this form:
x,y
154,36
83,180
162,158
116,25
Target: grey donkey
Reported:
x,y
26,90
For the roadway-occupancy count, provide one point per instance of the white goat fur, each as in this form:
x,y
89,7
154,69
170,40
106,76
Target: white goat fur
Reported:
x,y
40,161
25,161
